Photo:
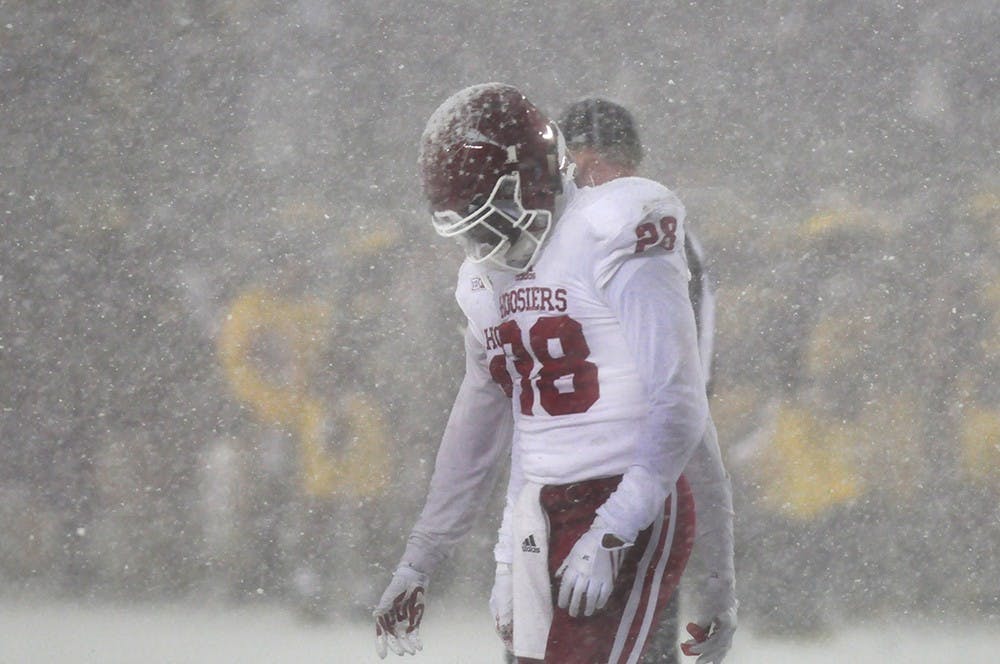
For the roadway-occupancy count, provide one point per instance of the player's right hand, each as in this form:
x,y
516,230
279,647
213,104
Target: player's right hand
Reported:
x,y
399,612
588,574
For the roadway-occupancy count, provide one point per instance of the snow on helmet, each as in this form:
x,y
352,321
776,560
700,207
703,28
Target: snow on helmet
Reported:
x,y
492,168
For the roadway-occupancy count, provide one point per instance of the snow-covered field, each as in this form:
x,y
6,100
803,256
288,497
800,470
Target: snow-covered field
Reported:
x,y
42,633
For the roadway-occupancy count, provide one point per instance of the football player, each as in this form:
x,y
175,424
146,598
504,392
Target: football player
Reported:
x,y
581,334
604,144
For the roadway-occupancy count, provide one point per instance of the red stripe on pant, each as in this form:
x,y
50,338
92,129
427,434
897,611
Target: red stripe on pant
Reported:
x,y
570,509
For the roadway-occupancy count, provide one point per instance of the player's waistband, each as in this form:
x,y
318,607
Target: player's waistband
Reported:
x,y
565,496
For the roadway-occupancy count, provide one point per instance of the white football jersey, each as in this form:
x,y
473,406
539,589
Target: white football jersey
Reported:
x,y
597,348
553,341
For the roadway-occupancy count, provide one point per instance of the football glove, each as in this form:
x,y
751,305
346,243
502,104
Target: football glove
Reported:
x,y
711,642
588,574
502,605
399,612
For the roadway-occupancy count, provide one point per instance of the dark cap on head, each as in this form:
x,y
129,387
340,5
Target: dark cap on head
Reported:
x,y
604,126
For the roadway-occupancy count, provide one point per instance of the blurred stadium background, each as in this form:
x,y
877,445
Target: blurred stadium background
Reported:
x,y
228,343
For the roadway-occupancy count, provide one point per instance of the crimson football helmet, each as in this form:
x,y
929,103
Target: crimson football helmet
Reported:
x,y
493,168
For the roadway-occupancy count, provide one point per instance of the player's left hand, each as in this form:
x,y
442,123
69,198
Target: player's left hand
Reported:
x,y
399,612
716,608
589,570
711,643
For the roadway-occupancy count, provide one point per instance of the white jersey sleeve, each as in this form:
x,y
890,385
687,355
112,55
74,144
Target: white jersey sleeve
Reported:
x,y
638,218
712,556
643,273
475,442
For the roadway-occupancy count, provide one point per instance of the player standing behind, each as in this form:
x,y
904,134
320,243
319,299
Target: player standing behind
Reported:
x,y
578,307
604,143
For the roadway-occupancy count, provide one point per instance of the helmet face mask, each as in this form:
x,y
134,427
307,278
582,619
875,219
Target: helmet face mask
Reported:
x,y
499,231
492,167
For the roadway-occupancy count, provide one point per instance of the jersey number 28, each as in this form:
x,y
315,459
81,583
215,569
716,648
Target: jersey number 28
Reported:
x,y
648,235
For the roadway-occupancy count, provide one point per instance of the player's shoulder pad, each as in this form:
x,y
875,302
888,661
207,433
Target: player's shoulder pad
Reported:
x,y
631,218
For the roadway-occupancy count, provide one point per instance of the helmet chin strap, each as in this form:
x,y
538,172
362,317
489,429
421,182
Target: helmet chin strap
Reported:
x,y
520,252
527,246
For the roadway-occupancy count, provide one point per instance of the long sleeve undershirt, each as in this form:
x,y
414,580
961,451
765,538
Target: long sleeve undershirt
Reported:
x,y
650,299
712,556
475,442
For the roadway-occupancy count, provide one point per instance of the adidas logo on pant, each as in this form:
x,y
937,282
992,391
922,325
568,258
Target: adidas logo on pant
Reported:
x,y
529,546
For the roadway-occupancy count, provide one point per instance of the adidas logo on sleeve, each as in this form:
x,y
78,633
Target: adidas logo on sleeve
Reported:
x,y
529,546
